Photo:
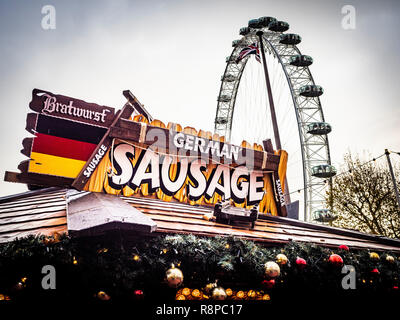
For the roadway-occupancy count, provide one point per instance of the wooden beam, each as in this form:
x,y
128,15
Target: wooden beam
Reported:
x,y
102,147
27,146
268,145
31,120
130,130
24,166
137,105
37,179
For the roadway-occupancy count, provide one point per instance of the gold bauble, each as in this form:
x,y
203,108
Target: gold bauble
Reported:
x,y
272,269
219,294
389,258
228,292
103,296
185,291
251,294
209,287
4,297
174,277
180,297
281,259
136,257
266,297
240,294
196,293
374,256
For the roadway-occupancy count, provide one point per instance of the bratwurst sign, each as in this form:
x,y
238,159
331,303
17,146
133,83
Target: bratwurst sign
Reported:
x,y
70,108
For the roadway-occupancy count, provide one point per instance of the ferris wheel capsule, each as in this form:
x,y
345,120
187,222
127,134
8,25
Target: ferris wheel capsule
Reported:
x,y
228,77
323,171
278,26
290,39
301,60
244,31
230,59
235,43
255,23
224,98
265,21
221,120
324,215
311,91
319,128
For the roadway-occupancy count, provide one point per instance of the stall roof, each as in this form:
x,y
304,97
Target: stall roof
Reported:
x,y
44,212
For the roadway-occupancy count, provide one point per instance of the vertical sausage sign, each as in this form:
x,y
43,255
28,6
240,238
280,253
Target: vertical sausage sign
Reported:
x,y
91,147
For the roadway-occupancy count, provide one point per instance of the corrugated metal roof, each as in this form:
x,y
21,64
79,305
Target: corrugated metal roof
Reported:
x,y
44,212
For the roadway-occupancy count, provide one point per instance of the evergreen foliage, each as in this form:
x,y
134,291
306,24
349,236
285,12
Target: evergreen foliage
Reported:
x,y
83,268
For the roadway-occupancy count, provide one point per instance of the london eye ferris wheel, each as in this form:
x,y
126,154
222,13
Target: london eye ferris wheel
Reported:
x,y
290,111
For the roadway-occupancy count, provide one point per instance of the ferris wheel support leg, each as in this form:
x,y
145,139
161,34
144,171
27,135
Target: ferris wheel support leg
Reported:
x,y
272,108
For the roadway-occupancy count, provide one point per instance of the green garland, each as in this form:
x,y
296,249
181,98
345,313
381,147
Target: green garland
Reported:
x,y
84,268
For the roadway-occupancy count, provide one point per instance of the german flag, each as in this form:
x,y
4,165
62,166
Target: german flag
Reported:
x,y
62,147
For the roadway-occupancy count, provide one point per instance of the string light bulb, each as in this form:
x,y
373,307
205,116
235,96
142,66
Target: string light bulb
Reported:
x,y
136,257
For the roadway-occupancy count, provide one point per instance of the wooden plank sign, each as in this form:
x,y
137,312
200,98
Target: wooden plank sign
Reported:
x,y
66,132
154,160
63,107
90,147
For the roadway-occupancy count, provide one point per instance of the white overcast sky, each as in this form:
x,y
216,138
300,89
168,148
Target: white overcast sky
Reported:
x,y
171,55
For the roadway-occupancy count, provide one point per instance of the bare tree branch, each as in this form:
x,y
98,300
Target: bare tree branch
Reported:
x,y
364,198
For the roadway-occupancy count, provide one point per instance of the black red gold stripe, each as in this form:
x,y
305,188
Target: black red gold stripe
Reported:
x,y
62,147
69,129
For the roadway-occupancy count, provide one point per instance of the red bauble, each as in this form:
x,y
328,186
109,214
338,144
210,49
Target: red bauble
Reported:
x,y
268,283
375,271
344,247
301,262
138,294
336,260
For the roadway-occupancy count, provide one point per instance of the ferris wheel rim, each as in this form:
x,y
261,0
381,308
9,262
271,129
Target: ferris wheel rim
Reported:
x,y
270,39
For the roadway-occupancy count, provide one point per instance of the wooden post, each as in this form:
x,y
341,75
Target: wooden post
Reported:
x,y
272,109
102,148
268,146
137,105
